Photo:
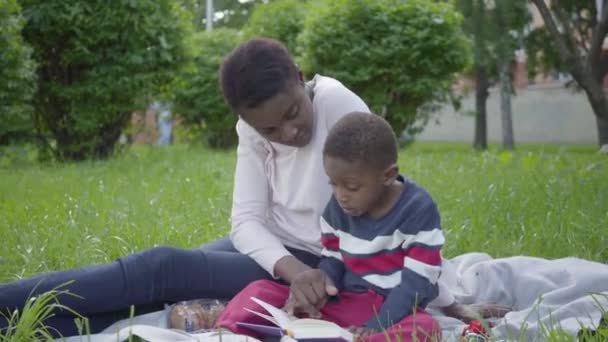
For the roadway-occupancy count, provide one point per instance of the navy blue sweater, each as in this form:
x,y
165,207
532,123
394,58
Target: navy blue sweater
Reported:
x,y
397,255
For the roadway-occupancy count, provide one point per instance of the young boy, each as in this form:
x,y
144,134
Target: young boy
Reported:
x,y
382,238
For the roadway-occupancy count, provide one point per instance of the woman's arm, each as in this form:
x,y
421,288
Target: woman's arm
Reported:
x,y
250,199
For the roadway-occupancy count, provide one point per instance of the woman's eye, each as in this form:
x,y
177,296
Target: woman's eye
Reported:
x,y
293,114
352,188
268,131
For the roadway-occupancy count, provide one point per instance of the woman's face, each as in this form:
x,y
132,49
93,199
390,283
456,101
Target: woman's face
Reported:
x,y
285,118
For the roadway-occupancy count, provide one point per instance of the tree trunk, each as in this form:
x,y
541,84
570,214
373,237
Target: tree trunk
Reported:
x,y
480,141
505,105
602,131
599,103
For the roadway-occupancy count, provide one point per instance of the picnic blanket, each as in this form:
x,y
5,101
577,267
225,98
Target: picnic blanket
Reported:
x,y
566,294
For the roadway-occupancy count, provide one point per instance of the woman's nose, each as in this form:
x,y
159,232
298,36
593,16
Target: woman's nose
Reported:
x,y
290,132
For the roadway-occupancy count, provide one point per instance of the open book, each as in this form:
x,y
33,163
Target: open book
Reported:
x,y
302,329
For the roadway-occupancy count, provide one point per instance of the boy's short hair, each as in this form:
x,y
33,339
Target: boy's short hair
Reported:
x,y
255,71
362,137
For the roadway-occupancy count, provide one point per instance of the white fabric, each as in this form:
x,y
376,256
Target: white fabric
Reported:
x,y
430,272
566,286
357,246
153,327
154,334
280,191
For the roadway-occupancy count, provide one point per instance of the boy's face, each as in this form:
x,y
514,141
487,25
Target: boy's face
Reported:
x,y
359,189
285,118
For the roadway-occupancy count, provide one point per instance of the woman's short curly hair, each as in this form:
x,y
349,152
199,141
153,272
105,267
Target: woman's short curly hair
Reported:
x,y
255,71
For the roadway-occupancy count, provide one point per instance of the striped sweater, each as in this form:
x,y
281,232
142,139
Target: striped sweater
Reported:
x,y
397,255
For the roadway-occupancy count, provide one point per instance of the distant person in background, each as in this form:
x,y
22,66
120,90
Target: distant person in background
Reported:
x,y
164,122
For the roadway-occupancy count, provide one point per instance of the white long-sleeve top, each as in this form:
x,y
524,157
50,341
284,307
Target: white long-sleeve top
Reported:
x,y
280,191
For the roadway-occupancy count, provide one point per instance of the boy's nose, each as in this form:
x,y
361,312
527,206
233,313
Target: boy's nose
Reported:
x,y
341,196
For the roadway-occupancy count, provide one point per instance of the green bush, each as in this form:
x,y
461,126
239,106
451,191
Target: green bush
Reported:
x,y
98,61
400,56
17,75
280,19
196,93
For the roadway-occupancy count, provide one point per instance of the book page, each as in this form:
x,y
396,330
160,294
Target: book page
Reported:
x,y
264,316
310,328
281,317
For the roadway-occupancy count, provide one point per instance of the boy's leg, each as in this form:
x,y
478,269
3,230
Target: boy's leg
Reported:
x,y
355,309
352,309
269,291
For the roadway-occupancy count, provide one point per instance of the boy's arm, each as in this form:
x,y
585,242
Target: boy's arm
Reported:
x,y
331,261
422,267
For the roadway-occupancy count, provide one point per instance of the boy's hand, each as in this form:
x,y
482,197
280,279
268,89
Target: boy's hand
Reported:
x,y
309,292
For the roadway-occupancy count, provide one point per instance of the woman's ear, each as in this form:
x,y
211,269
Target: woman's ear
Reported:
x,y
300,75
391,173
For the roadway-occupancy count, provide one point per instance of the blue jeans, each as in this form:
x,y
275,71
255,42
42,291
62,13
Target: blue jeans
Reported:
x,y
147,280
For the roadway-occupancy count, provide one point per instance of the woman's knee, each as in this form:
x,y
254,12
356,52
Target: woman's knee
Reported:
x,y
165,259
159,263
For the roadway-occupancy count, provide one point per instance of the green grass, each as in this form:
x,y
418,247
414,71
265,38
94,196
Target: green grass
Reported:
x,y
547,201
61,216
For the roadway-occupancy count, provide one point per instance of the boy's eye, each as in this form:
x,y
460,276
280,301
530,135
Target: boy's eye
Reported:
x,y
352,188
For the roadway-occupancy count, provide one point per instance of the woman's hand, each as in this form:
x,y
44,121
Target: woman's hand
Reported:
x,y
288,267
309,292
360,333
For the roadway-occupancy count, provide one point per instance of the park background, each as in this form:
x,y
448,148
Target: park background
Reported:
x,y
501,114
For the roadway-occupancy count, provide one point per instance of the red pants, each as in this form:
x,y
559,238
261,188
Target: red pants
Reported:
x,y
353,309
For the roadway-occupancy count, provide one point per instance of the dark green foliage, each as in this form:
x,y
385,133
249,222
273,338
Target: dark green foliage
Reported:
x,y
17,76
97,62
400,56
228,13
280,19
196,93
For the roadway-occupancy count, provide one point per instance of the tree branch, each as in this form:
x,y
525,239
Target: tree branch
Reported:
x,y
583,32
568,35
597,40
603,66
568,57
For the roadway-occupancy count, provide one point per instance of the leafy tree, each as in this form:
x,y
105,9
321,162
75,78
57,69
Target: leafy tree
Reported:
x,y
197,96
495,28
227,13
17,72
574,33
400,56
280,19
97,61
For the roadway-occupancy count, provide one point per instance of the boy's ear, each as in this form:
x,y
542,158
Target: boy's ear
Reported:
x,y
391,173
